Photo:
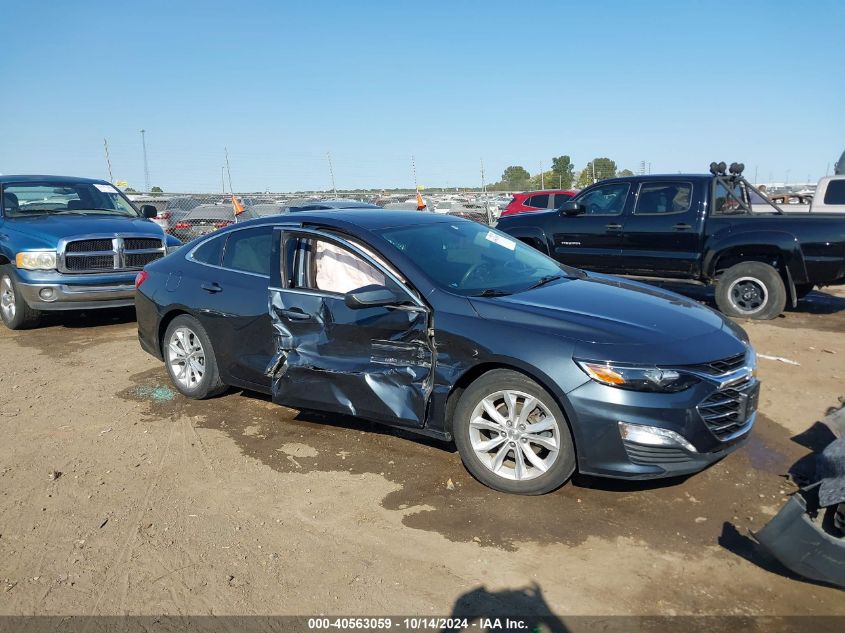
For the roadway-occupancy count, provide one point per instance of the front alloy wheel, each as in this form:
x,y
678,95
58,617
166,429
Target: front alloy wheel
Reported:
x,y
14,310
512,435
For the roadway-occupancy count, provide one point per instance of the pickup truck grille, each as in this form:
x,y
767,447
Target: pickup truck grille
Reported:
x,y
104,254
726,411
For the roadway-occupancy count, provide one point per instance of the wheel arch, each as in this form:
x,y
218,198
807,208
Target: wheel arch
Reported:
x,y
165,322
533,236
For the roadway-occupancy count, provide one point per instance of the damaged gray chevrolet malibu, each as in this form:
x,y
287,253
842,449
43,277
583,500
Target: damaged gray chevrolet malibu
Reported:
x,y
454,330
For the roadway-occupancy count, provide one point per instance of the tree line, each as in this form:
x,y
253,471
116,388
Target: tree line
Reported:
x,y
562,175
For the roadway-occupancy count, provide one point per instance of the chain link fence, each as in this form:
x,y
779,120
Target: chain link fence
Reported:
x,y
187,216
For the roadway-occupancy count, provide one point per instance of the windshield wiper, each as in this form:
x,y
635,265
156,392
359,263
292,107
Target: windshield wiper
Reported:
x,y
86,211
492,292
542,281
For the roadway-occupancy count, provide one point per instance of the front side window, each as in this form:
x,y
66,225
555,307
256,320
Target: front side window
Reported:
x,y
835,193
663,197
605,199
468,258
250,250
28,199
540,201
560,198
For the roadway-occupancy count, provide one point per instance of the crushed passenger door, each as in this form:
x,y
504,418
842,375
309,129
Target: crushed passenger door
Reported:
x,y
373,362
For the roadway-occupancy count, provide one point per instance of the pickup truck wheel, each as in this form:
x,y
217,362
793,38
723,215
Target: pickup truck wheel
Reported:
x,y
751,290
190,359
512,436
14,310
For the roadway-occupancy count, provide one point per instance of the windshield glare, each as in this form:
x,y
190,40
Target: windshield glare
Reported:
x,y
469,259
73,198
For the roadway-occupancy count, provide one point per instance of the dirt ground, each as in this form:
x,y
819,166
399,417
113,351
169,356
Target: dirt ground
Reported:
x,y
119,496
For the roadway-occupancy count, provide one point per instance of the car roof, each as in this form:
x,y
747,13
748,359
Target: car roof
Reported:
x,y
364,218
49,179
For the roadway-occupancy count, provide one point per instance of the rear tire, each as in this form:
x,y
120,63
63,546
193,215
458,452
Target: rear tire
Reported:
x,y
493,431
14,310
751,290
190,361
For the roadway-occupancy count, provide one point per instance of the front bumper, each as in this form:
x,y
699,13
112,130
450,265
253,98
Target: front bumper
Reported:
x,y
51,291
603,452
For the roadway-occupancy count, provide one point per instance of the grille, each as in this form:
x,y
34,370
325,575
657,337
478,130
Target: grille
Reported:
x,y
654,455
722,366
89,262
94,255
86,246
139,260
727,410
140,243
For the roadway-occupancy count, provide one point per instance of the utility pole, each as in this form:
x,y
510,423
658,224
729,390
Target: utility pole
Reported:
x,y
593,165
146,165
487,208
223,177
414,170
229,171
331,172
542,177
108,160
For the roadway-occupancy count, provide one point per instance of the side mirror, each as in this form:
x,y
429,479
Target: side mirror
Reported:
x,y
570,207
373,296
149,211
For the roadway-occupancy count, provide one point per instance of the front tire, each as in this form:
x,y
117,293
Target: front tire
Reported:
x,y
512,436
751,290
190,361
14,310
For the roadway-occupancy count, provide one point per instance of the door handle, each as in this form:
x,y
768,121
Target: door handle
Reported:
x,y
295,314
613,227
212,287
682,227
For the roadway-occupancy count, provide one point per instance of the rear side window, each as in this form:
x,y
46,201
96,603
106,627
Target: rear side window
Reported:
x,y
250,250
540,201
210,252
835,193
663,197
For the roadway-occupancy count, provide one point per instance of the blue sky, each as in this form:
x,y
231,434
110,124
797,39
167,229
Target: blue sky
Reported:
x,y
675,83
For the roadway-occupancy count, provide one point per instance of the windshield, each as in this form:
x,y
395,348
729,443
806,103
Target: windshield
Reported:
x,y
471,259
58,198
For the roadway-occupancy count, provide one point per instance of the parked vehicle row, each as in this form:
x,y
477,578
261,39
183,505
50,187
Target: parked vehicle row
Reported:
x,y
696,228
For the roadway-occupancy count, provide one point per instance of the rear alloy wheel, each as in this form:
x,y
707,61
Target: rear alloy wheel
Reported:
x,y
14,310
751,290
190,359
512,436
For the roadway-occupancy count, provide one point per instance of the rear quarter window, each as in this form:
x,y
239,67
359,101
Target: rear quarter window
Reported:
x,y
210,252
835,193
540,201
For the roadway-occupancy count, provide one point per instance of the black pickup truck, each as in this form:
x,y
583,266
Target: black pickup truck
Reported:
x,y
694,228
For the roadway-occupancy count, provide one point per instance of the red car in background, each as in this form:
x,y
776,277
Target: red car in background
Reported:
x,y
538,200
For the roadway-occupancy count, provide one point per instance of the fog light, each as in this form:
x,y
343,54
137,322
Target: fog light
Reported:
x,y
653,436
47,294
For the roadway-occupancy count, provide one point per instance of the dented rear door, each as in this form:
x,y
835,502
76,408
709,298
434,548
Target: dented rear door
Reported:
x,y
374,363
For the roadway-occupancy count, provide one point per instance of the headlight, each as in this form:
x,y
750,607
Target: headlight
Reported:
x,y
36,260
638,378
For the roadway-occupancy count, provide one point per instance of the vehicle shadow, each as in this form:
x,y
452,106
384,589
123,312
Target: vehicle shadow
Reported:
x,y
87,318
526,608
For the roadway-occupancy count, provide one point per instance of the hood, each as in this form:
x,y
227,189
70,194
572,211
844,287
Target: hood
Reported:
x,y
55,227
600,311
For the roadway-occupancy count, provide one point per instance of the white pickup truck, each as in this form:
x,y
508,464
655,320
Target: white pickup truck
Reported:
x,y
830,195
